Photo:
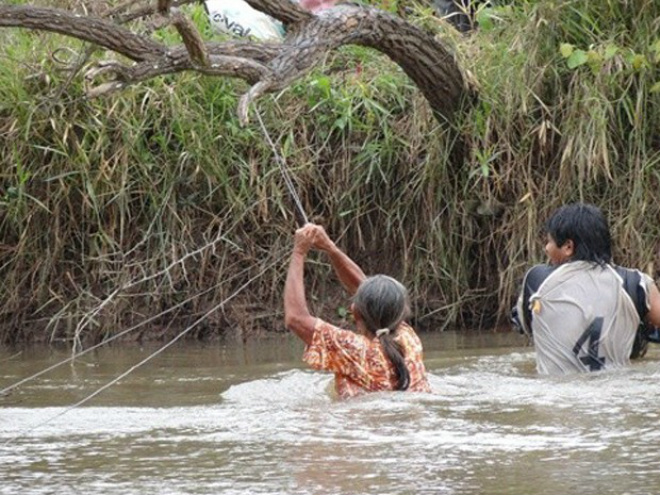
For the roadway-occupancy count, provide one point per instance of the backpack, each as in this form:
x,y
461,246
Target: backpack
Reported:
x,y
583,317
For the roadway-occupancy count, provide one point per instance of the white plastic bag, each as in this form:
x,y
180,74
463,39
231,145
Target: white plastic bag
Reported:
x,y
237,18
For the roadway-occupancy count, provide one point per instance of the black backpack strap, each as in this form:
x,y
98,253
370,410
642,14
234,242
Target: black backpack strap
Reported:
x,y
645,332
535,277
531,283
632,285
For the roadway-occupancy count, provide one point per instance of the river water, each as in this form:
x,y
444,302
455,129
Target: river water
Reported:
x,y
250,419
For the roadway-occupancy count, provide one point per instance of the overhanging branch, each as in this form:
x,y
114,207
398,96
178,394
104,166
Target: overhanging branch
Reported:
x,y
267,66
98,31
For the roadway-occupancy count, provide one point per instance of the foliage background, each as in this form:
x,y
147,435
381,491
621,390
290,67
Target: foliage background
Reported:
x,y
154,204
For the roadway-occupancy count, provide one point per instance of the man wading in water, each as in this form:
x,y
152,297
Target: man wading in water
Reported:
x,y
384,354
583,312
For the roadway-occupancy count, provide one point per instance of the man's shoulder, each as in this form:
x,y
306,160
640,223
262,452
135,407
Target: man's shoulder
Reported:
x,y
537,274
627,273
635,283
541,269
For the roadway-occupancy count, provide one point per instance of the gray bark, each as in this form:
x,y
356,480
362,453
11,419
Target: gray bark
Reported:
x,y
266,66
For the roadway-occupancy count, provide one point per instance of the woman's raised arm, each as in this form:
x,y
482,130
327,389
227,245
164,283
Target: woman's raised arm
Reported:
x,y
297,317
348,272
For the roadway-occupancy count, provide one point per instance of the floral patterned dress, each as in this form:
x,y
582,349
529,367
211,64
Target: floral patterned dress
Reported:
x,y
360,364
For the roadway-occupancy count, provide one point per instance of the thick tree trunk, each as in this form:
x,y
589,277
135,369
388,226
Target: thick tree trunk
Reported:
x,y
423,58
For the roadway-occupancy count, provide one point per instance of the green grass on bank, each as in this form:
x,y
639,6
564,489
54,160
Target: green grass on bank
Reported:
x,y
114,193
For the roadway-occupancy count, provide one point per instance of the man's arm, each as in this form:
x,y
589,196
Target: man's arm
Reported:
x,y
653,316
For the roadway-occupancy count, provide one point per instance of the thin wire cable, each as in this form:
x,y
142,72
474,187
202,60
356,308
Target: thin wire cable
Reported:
x,y
145,360
89,316
283,169
116,336
132,283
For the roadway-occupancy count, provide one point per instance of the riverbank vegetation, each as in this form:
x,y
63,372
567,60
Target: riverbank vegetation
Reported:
x,y
155,206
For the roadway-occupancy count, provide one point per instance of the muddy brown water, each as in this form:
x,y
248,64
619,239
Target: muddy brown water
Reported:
x,y
250,419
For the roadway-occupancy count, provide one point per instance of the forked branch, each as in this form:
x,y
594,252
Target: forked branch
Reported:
x,y
266,66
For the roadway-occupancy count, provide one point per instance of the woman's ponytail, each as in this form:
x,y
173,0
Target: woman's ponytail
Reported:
x,y
383,304
394,352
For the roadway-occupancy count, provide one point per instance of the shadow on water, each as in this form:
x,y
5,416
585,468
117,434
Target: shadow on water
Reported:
x,y
251,419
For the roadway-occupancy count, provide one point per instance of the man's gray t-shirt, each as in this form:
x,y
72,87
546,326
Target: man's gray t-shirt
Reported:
x,y
581,316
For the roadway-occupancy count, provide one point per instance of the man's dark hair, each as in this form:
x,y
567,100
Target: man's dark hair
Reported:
x,y
587,227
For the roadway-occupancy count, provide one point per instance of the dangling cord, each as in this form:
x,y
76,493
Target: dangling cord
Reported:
x,y
285,173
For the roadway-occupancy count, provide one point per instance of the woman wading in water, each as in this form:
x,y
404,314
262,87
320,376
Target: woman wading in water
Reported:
x,y
384,353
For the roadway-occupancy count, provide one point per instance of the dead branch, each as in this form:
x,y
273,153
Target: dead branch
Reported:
x,y
267,67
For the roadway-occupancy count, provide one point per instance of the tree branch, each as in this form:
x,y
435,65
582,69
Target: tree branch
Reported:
x,y
140,10
267,66
286,11
191,38
92,29
178,60
424,59
255,92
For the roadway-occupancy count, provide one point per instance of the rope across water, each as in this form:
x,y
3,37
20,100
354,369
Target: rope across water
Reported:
x,y
285,173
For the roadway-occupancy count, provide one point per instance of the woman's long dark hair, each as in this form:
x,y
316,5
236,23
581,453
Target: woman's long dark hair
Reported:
x,y
383,304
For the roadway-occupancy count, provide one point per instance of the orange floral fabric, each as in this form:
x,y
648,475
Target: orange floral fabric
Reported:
x,y
360,364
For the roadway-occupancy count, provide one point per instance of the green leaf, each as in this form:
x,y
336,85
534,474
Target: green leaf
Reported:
x,y
655,88
639,61
594,57
323,84
610,51
655,48
340,123
485,19
566,49
595,60
577,58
